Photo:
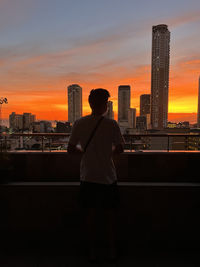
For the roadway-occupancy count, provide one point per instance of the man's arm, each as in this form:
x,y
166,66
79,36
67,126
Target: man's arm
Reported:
x,y
73,149
118,149
118,140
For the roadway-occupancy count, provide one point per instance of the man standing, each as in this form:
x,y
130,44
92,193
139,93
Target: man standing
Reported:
x,y
98,138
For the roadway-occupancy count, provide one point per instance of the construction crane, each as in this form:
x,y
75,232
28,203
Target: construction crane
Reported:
x,y
3,100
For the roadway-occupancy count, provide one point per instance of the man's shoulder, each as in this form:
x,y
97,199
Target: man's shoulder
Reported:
x,y
88,118
111,121
82,119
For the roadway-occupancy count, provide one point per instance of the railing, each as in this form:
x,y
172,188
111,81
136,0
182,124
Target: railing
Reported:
x,y
34,141
137,142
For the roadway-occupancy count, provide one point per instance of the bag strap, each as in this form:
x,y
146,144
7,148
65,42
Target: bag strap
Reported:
x,y
93,132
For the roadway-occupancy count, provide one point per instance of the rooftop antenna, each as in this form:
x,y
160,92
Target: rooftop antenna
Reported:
x,y
3,100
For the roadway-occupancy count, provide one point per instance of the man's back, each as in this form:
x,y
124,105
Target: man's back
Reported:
x,y
97,165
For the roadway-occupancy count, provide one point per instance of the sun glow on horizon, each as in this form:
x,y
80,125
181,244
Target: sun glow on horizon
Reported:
x,y
94,53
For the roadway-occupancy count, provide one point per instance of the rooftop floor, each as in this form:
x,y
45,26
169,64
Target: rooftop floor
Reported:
x,y
73,257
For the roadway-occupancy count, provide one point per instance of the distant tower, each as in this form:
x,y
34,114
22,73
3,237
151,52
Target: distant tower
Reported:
x,y
145,104
198,114
160,76
74,102
110,113
124,102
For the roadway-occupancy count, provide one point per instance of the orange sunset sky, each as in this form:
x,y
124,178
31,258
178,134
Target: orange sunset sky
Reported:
x,y
50,45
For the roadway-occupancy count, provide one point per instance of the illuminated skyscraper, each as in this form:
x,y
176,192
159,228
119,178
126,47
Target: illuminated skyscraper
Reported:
x,y
74,102
124,102
198,114
160,76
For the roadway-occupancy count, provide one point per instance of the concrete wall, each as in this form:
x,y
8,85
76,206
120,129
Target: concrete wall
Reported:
x,y
160,200
148,214
141,166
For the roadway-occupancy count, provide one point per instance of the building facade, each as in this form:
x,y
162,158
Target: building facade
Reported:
x,y
160,76
124,103
110,113
63,127
145,104
74,102
132,118
28,120
19,122
45,127
198,114
16,121
141,123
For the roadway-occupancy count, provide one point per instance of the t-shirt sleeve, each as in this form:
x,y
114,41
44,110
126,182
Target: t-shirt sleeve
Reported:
x,y
74,137
117,136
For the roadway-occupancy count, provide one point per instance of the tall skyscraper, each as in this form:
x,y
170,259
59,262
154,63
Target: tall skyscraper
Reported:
x,y
198,114
110,113
74,102
160,76
124,102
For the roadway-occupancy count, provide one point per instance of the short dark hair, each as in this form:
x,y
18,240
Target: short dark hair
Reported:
x,y
98,97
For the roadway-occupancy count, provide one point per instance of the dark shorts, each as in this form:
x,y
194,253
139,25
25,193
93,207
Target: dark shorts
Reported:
x,y
93,195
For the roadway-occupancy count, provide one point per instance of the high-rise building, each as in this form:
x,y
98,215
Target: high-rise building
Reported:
x,y
198,114
110,113
132,118
148,121
16,121
145,104
36,127
160,76
45,127
19,122
141,123
63,127
42,127
124,102
28,120
74,102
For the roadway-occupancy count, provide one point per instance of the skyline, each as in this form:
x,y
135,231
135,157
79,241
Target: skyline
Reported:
x,y
93,52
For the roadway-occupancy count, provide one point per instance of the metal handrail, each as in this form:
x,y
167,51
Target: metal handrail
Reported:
x,y
129,138
125,135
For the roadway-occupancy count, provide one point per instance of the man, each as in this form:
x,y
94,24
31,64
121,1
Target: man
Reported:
x,y
98,138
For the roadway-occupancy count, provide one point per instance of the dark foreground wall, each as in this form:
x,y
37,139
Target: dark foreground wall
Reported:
x,y
143,166
160,199
161,215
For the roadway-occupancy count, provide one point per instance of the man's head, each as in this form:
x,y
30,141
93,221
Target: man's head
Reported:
x,y
98,100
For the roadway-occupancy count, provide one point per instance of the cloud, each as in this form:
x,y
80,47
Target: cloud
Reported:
x,y
36,78
188,17
13,13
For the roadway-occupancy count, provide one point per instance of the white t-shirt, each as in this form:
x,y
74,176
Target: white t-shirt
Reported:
x,y
96,164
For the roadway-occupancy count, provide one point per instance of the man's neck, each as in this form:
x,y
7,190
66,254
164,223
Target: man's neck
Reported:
x,y
96,114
